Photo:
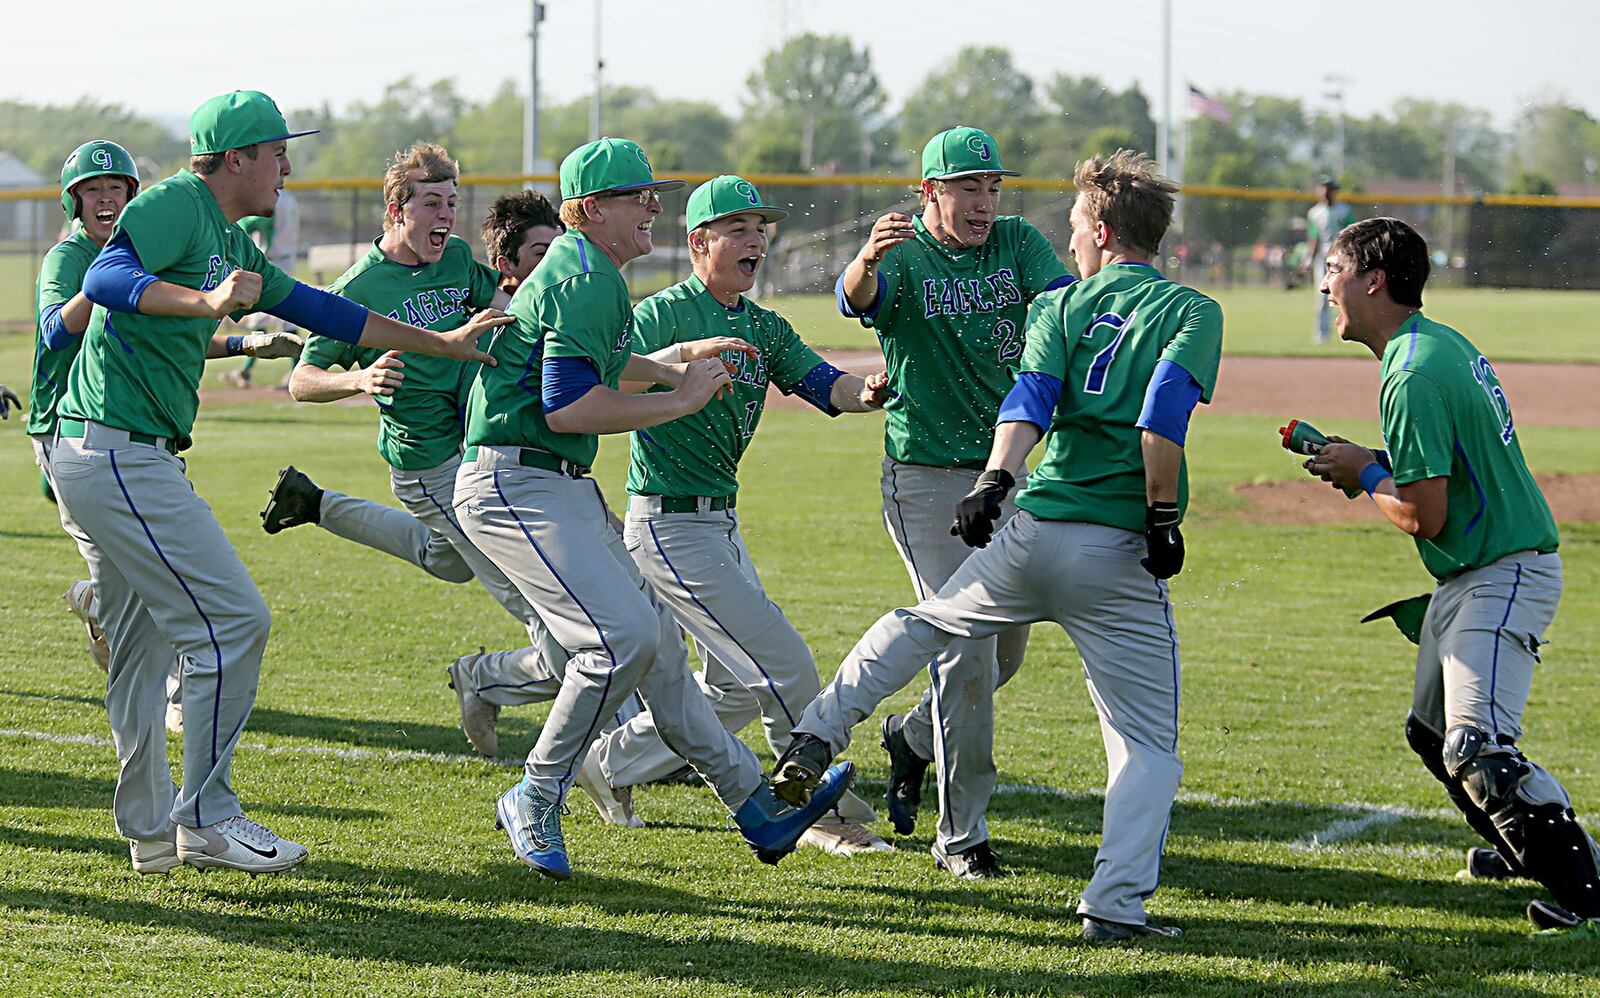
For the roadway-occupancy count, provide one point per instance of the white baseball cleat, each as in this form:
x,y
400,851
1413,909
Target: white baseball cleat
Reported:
x,y
154,855
80,600
841,837
615,804
478,716
237,843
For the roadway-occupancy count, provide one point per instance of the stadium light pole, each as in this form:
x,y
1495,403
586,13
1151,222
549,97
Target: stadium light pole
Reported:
x,y
599,64
1336,94
1164,126
530,119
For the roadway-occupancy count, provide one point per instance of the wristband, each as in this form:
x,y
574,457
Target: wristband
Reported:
x,y
1372,476
235,346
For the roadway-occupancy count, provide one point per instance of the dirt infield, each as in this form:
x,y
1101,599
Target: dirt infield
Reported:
x,y
1572,498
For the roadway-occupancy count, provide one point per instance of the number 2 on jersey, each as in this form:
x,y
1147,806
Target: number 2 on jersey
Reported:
x,y
1094,383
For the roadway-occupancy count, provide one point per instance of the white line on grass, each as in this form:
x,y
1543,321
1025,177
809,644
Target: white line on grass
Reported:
x,y
1363,816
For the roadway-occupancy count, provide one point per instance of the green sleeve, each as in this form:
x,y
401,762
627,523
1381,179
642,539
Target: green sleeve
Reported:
x,y
61,276
654,326
789,360
585,316
484,281
1197,346
160,223
1049,350
1037,262
1416,425
328,353
889,270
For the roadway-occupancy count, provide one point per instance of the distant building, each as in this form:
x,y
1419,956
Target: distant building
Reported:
x,y
24,221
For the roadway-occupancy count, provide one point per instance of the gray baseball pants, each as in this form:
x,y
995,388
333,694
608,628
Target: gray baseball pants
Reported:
x,y
919,503
756,664
550,535
167,578
1087,578
427,535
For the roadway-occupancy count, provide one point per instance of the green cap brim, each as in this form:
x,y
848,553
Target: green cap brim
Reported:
x,y
660,185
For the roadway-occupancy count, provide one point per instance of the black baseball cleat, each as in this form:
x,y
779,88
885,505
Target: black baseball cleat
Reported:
x,y
1486,864
1099,930
907,770
294,500
1545,915
972,863
798,771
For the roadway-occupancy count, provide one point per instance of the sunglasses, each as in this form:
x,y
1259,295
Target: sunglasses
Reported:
x,y
646,197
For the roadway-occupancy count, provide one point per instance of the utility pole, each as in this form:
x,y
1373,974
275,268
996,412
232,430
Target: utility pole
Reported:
x,y
1447,234
530,118
1164,126
1335,93
599,64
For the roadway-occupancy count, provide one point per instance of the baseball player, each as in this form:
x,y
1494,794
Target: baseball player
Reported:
x,y
947,294
524,497
682,526
166,576
1113,368
517,232
1325,220
98,179
1456,481
419,271
279,238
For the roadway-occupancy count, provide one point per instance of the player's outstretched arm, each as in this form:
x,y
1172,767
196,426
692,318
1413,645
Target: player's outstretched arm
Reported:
x,y
604,410
853,393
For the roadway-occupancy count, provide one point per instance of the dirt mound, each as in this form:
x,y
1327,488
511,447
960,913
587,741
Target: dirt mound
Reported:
x,y
1573,499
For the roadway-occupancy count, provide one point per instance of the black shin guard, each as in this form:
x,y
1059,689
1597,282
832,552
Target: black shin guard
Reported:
x,y
1430,747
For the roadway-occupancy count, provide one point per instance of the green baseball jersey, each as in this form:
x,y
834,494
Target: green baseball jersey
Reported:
x,y
419,426
60,280
698,454
1446,416
574,304
951,325
140,372
258,225
1103,337
1324,221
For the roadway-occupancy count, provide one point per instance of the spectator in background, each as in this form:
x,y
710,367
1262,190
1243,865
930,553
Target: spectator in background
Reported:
x,y
1323,222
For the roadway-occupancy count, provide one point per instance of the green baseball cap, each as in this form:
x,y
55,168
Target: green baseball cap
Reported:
x,y
608,164
235,120
728,195
961,152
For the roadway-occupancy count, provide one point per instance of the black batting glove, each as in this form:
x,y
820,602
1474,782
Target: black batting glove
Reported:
x,y
979,509
1163,540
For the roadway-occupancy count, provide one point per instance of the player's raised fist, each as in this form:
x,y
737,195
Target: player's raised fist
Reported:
x,y
268,346
383,376
704,380
888,232
875,390
238,292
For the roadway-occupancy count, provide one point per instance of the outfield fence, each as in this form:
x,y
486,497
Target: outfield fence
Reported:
x,y
1222,235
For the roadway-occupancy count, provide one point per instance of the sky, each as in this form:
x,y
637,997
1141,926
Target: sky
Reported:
x,y
310,52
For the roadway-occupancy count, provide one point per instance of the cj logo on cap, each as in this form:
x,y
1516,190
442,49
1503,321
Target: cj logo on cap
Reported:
x,y
976,144
101,158
644,159
747,191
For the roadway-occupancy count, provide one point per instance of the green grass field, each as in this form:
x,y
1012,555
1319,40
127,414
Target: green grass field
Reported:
x,y
1310,851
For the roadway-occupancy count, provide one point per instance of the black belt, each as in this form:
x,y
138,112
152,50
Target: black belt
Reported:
x,y
76,428
691,504
532,457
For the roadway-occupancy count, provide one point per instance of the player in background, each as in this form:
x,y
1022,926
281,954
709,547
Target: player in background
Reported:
x,y
279,238
98,179
524,497
166,575
947,293
1114,366
420,271
517,232
683,525
1458,484
1325,220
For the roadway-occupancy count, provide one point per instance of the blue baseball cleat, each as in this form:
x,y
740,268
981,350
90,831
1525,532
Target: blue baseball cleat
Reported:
x,y
771,828
534,826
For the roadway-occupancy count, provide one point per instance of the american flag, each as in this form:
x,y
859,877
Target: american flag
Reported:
x,y
1209,106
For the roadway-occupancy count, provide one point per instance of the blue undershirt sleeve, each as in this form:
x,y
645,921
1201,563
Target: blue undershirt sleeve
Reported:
x,y
817,387
53,328
117,277
848,310
1060,282
1169,401
1031,400
323,313
565,380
